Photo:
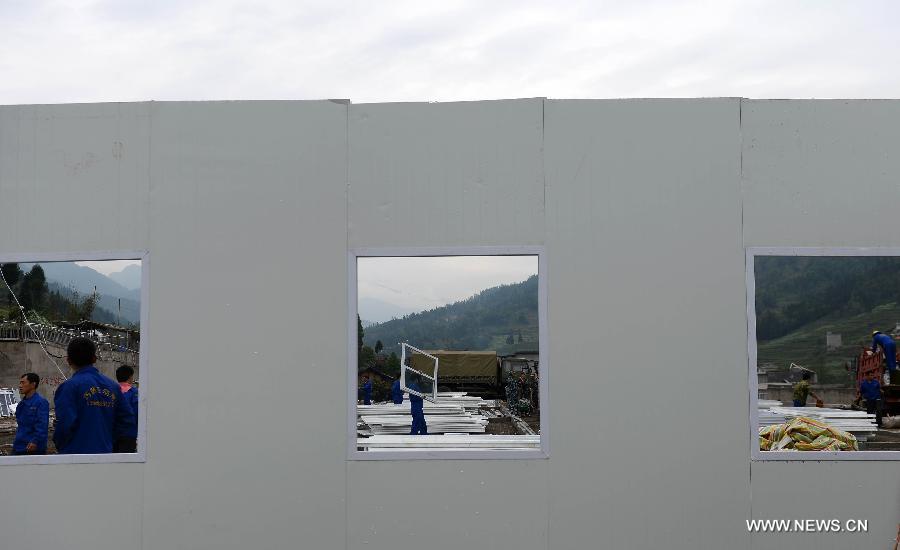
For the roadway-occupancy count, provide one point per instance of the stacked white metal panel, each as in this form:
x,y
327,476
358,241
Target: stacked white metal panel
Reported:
x,y
859,423
454,412
8,400
450,442
440,418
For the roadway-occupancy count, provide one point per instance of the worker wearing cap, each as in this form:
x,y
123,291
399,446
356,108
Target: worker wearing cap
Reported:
x,y
890,351
90,410
32,418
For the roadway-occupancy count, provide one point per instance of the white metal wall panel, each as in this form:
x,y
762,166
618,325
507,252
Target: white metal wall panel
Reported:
x,y
646,324
249,250
823,173
447,174
459,174
74,177
644,240
448,505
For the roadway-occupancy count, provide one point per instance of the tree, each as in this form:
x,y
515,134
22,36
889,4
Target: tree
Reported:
x,y
89,304
34,291
73,313
359,333
12,273
378,347
366,357
392,365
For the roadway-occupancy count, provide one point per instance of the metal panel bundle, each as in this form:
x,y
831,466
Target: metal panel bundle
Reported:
x,y
450,442
859,423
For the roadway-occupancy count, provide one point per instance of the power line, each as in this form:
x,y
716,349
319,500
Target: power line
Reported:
x,y
28,324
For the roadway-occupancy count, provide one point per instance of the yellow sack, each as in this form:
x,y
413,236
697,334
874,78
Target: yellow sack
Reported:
x,y
806,434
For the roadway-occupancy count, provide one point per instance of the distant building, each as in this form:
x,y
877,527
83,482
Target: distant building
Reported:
x,y
833,341
762,383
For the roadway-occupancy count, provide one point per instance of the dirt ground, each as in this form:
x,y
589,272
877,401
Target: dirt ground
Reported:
x,y
503,425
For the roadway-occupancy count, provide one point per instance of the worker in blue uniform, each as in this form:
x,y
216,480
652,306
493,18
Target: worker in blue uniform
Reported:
x,y
367,390
416,408
879,339
125,377
91,412
396,393
870,389
32,418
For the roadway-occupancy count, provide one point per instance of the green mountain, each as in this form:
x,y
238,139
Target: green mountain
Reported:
x,y
800,299
502,318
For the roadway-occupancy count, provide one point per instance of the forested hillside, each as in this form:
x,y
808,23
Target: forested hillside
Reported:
x,y
503,318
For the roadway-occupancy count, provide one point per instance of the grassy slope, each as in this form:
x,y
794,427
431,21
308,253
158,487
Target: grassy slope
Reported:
x,y
806,346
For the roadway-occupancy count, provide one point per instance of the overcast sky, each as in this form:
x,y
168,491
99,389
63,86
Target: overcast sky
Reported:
x,y
119,50
417,284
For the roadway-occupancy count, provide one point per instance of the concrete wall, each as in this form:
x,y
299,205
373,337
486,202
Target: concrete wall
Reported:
x,y
644,206
17,358
830,394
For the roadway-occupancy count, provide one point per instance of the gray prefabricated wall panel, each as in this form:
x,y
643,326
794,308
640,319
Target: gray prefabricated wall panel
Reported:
x,y
647,324
248,210
823,173
464,174
447,174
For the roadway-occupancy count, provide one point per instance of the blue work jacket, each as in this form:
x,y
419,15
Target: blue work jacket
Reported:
x,y
91,413
131,396
32,421
871,391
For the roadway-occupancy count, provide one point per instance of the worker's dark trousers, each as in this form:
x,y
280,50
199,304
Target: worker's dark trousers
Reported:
x,y
418,425
873,406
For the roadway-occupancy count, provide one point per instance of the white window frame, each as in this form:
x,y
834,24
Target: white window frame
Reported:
x,y
818,456
95,256
543,352
403,368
